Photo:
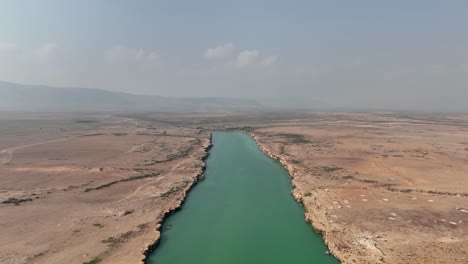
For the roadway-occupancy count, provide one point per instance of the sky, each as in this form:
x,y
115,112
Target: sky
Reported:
x,y
381,54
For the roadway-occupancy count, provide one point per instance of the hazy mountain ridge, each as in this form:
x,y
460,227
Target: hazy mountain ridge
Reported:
x,y
19,97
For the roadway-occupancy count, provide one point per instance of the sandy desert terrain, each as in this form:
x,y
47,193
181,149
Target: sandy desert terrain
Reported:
x,y
382,188
89,189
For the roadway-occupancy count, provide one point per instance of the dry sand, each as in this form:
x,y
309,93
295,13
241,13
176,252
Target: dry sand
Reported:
x,y
74,190
382,188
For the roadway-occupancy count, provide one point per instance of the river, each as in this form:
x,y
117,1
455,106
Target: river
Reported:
x,y
241,213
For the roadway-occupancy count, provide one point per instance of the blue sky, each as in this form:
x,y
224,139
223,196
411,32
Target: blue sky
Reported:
x,y
350,53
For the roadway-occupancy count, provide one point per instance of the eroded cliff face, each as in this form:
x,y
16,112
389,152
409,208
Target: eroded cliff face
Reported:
x,y
179,199
345,241
95,190
314,212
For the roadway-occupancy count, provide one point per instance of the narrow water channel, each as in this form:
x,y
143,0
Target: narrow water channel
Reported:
x,y
242,212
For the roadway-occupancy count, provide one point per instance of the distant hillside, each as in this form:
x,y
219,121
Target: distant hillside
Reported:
x,y
289,102
26,98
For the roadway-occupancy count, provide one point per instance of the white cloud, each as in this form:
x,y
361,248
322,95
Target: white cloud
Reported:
x,y
219,52
244,59
252,58
119,53
46,50
247,58
269,60
7,46
41,52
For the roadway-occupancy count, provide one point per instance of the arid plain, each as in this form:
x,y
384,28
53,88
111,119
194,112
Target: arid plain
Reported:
x,y
381,187
89,189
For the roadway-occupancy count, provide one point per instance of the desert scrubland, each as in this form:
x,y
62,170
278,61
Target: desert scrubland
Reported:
x,y
78,189
381,187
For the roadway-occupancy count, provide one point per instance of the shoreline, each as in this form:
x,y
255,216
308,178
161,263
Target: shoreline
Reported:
x,y
160,221
200,177
298,197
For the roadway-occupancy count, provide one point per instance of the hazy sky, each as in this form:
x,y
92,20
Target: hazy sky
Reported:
x,y
349,53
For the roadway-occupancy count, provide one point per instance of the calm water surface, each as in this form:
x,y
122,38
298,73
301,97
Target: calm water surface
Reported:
x,y
242,213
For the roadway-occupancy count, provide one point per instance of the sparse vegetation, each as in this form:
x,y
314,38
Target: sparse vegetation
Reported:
x,y
94,261
85,121
92,135
16,201
295,138
368,181
139,177
71,187
300,141
281,150
38,255
127,212
331,169
182,153
109,240
112,241
174,189
142,226
120,134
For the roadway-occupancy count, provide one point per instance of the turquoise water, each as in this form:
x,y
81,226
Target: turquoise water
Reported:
x,y
242,212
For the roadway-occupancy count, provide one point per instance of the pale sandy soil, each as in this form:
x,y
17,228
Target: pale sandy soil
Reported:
x,y
383,188
56,163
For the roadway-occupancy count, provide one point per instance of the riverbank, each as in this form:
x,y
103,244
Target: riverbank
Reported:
x,y
317,223
242,213
379,188
179,202
97,197
382,187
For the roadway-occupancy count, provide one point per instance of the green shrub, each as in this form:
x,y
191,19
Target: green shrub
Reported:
x,y
94,261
